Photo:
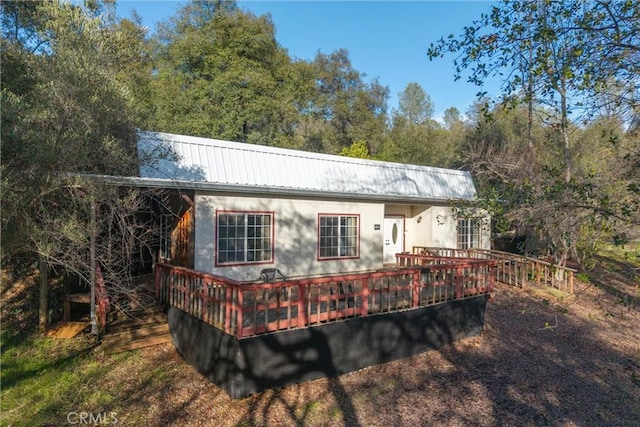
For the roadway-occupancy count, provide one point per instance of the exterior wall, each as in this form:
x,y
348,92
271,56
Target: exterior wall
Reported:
x,y
295,235
444,224
435,226
444,227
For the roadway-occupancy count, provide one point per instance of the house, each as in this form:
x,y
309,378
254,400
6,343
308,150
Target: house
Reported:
x,y
251,207
335,228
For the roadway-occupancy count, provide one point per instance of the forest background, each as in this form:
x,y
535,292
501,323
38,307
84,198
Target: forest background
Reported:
x,y
556,157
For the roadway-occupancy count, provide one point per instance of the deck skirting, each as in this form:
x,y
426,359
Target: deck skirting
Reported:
x,y
248,365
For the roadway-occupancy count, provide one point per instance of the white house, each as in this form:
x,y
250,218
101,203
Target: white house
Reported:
x,y
254,207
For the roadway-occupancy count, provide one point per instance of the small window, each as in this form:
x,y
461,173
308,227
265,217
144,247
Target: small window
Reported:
x,y
244,238
468,233
338,236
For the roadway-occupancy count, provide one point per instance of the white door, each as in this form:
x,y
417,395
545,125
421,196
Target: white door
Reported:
x,y
393,238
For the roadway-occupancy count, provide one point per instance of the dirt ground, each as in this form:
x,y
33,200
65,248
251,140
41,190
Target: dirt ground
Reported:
x,y
539,362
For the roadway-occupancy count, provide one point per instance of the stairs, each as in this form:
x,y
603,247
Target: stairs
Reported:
x,y
142,328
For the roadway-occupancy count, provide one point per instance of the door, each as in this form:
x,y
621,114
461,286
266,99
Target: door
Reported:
x,y
393,238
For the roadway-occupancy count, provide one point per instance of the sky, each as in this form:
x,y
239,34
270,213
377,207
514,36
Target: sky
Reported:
x,y
387,40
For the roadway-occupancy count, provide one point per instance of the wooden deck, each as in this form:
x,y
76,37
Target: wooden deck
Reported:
x,y
245,310
142,328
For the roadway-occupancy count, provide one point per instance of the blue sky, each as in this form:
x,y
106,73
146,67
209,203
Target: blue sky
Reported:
x,y
387,40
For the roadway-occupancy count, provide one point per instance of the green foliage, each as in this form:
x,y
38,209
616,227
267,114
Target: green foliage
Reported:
x,y
222,74
416,138
344,108
358,150
554,179
72,114
414,104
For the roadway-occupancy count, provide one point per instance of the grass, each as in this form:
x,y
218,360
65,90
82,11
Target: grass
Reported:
x,y
629,254
44,379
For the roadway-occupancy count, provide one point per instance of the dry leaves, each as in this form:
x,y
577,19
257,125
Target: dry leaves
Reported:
x,y
583,371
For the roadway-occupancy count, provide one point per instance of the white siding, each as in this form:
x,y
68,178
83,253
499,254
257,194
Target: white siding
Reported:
x,y
444,232
296,239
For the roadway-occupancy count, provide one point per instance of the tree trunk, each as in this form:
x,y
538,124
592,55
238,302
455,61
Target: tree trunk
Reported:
x,y
564,129
43,302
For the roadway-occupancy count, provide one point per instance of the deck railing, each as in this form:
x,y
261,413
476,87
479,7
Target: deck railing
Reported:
x,y
248,309
513,269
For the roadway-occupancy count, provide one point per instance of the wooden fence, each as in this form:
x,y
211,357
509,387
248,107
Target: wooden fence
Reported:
x,y
247,309
511,268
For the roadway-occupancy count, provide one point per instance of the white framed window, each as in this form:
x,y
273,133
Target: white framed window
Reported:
x,y
338,236
244,237
469,233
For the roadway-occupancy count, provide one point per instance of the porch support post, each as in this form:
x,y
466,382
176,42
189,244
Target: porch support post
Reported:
x,y
94,323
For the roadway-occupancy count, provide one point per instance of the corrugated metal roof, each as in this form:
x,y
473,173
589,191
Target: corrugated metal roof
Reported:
x,y
263,168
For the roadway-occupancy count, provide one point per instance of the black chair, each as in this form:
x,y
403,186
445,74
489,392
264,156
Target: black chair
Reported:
x,y
272,275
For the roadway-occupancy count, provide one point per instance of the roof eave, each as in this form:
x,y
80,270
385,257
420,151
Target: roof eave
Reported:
x,y
245,189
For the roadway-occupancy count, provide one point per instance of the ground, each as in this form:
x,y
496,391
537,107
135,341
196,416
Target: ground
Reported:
x,y
540,361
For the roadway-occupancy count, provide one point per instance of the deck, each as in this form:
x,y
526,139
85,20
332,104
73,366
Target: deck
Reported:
x,y
247,337
248,309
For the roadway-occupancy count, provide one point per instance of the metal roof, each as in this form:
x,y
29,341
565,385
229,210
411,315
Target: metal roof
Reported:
x,y
204,163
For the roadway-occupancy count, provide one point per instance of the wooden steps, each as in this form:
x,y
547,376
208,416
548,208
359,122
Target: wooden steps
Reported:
x,y
142,328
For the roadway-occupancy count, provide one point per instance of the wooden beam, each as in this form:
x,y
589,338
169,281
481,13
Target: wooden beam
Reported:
x,y
189,200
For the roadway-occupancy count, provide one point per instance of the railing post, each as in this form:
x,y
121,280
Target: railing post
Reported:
x,y
458,283
239,308
415,302
228,304
204,300
185,292
570,273
364,307
302,306
493,268
172,288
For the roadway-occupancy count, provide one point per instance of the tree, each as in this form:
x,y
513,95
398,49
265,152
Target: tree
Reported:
x,y
452,117
414,136
222,74
414,104
67,115
553,57
343,108
358,150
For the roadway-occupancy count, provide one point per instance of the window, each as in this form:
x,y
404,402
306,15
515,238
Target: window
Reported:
x,y
338,236
244,238
468,233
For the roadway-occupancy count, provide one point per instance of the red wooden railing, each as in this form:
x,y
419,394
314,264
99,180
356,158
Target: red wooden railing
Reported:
x,y
512,269
248,309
